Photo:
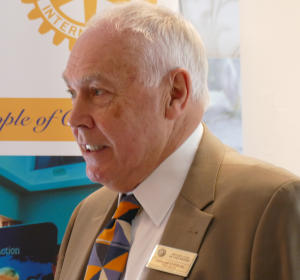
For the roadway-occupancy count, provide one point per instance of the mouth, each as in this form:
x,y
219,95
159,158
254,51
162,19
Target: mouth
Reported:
x,y
92,148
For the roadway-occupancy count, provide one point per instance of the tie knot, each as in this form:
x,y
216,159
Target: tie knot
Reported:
x,y
127,208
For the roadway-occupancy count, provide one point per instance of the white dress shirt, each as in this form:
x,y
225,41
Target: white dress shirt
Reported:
x,y
157,195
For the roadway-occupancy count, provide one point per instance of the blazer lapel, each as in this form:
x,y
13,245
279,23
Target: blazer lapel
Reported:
x,y
98,223
83,237
188,222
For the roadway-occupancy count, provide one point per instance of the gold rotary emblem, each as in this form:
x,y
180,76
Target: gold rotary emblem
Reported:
x,y
57,16
161,252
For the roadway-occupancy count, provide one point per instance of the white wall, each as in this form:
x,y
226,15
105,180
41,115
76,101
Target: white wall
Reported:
x,y
270,57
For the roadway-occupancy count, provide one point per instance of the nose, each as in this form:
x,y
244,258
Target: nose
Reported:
x,y
81,114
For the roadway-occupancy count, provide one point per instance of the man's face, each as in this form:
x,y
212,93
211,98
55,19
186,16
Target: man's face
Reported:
x,y
118,122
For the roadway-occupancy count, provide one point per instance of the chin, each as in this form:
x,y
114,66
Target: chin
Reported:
x,y
94,175
100,176
110,180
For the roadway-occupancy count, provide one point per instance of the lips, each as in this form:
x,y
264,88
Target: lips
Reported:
x,y
92,148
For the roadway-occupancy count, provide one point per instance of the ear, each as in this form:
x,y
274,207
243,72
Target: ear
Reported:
x,y
179,93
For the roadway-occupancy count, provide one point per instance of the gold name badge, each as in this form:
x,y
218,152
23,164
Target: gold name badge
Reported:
x,y
171,260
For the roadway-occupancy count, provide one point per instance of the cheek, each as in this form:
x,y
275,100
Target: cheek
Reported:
x,y
129,129
129,142
117,112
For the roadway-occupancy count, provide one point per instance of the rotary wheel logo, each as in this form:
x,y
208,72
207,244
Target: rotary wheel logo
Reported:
x,y
161,252
58,15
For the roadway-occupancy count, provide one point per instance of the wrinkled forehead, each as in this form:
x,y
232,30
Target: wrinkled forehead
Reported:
x,y
105,35
112,55
95,42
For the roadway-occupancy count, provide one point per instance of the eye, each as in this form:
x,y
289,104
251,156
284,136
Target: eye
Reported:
x,y
100,95
71,92
97,91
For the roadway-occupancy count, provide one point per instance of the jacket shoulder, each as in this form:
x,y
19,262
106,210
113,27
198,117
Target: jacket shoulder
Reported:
x,y
245,186
253,174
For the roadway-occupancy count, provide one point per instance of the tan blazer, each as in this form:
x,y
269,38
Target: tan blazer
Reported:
x,y
241,216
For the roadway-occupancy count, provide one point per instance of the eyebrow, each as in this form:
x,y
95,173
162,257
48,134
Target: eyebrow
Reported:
x,y
88,77
64,78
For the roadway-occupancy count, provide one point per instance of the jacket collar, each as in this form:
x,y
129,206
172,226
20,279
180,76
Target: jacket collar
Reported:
x,y
188,222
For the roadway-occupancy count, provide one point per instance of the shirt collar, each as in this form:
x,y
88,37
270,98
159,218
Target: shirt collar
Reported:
x,y
158,192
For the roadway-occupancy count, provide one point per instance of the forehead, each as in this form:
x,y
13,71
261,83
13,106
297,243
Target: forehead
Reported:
x,y
102,52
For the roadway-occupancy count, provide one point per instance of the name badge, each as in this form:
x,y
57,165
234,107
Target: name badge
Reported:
x,y
172,260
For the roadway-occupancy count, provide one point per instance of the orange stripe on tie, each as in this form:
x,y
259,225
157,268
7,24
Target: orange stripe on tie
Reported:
x,y
118,264
123,208
106,234
91,271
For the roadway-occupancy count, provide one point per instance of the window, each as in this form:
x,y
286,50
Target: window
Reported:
x,y
218,24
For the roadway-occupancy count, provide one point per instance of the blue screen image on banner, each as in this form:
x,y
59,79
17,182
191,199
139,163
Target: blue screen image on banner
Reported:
x,y
28,252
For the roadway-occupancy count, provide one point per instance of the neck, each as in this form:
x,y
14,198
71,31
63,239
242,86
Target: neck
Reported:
x,y
185,126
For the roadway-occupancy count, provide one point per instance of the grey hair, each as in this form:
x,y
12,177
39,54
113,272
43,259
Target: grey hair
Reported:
x,y
168,42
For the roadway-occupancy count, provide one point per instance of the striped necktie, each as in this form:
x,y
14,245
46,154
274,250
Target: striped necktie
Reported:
x,y
110,251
